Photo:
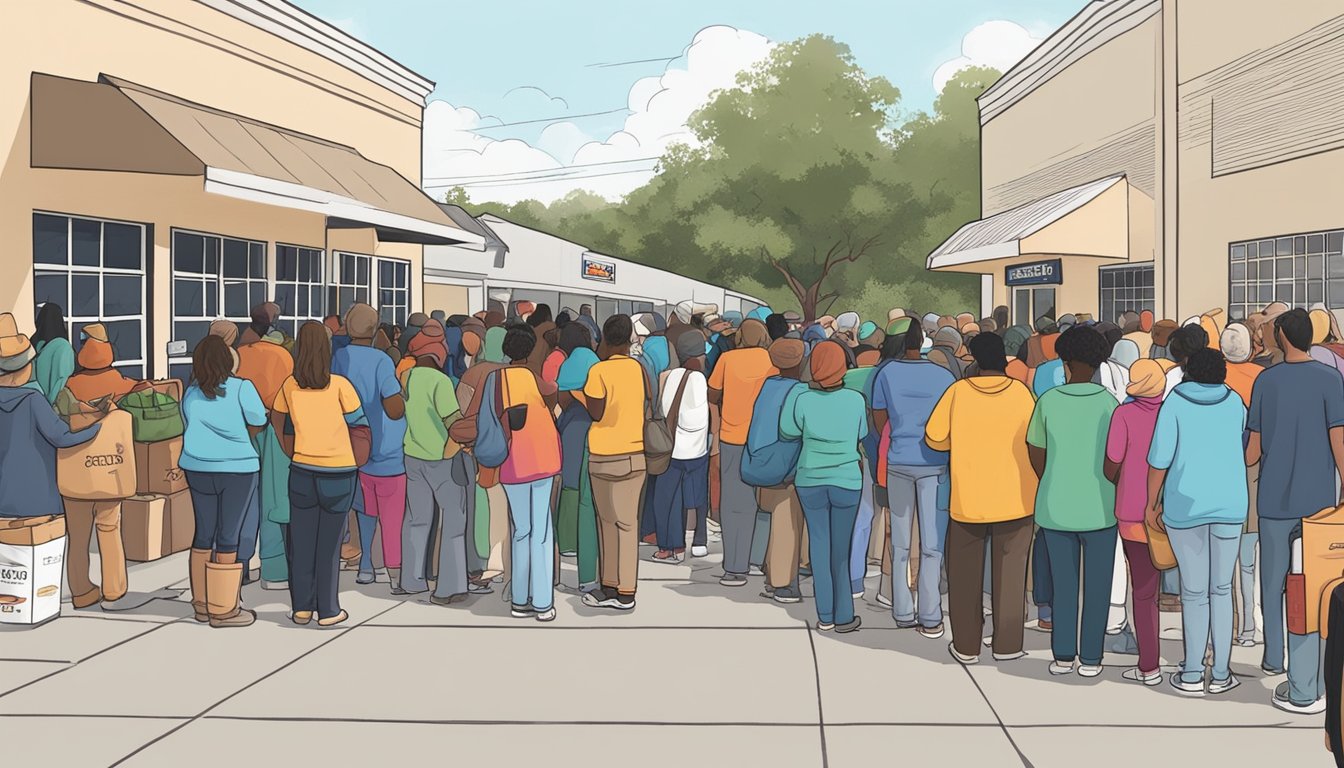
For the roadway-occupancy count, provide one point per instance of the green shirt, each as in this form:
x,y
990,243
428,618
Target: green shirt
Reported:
x,y
830,424
429,400
1071,422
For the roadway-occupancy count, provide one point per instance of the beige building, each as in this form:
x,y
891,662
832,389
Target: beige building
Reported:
x,y
1172,155
173,161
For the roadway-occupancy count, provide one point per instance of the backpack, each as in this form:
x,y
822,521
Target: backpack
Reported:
x,y
769,460
491,448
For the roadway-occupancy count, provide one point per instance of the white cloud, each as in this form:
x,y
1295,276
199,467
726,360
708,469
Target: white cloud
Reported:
x,y
659,110
997,44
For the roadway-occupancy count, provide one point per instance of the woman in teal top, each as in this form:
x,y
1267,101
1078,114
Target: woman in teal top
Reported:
x,y
55,360
831,421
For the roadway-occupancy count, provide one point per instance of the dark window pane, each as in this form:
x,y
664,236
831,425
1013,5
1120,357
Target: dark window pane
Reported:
x,y
84,296
315,262
121,295
1148,276
1334,265
1315,266
305,268
191,332
286,266
235,300
235,258
385,277
284,296
131,370
187,299
1300,266
86,241
211,300
1239,271
1251,250
257,257
401,275
345,299
315,302
362,272
51,287
188,252
1334,241
123,247
256,296
1238,252
1315,291
180,371
1283,268
1284,247
300,305
1238,294
362,295
212,255
1315,243
1283,292
125,338
1265,293
347,269
1299,244
1336,289
49,239
1107,278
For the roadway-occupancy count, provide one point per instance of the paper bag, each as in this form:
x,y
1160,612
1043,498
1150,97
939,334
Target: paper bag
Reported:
x,y
104,467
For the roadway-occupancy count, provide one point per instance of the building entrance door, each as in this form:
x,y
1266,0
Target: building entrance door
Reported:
x,y
1031,303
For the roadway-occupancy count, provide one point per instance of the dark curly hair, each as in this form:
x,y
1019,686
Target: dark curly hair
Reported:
x,y
987,349
1084,345
1207,366
519,341
1186,341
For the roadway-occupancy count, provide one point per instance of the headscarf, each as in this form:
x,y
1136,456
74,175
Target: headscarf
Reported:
x,y
734,318
847,321
1236,343
1014,338
829,364
786,353
1146,379
574,371
949,338
430,341
226,330
493,318
871,335
683,311
414,323
1125,353
492,351
689,345
929,323
899,326
814,334
1146,320
1162,331
753,334
1320,325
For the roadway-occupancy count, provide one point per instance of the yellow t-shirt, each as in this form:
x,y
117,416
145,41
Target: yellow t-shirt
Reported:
x,y
620,380
739,374
983,421
321,437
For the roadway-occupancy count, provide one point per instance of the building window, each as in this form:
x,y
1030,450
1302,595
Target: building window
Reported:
x,y
213,277
394,291
1126,289
94,269
299,286
353,276
1299,270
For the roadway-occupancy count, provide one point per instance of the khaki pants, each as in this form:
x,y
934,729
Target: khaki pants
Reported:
x,y
784,552
82,519
617,484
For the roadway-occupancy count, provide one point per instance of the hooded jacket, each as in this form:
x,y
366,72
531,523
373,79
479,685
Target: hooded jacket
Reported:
x,y
30,433
982,421
1198,440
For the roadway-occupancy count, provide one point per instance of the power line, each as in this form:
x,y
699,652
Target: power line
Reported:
x,y
605,65
541,179
550,119
488,176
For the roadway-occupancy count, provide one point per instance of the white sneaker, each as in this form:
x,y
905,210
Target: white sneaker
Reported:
x,y
1060,668
1189,689
967,660
883,600
1138,676
858,595
1089,670
699,551
547,615
822,627
1315,708
1009,656
1223,686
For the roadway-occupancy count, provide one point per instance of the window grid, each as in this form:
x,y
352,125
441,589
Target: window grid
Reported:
x,y
1299,270
74,267
1124,289
213,277
394,291
352,281
300,286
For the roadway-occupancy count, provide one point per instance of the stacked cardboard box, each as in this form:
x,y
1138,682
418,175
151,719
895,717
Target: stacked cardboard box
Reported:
x,y
155,525
32,566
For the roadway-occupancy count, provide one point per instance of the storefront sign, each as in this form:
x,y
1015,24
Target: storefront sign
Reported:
x,y
596,269
1036,273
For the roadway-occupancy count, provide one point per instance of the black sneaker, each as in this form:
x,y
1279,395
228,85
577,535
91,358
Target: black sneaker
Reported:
x,y
786,595
624,602
522,611
604,597
850,626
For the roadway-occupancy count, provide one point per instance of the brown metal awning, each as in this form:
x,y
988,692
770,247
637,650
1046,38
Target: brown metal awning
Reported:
x,y
115,125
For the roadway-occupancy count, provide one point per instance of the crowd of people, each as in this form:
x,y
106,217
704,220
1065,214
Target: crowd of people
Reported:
x,y
1058,467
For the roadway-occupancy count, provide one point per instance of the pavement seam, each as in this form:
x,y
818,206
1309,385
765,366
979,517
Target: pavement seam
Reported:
x,y
1026,763
495,722
821,715
93,655
334,637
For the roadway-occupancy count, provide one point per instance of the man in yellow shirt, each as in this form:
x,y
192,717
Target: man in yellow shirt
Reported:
x,y
982,420
616,395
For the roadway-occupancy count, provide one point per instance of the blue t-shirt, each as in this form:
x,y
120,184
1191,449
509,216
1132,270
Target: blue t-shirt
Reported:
x,y
216,438
1293,407
1049,375
375,377
1198,442
908,390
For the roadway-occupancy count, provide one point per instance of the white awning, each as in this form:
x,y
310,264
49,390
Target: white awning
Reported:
x,y
1087,220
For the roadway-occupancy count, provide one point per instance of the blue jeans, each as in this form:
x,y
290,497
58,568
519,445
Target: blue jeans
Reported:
x,y
863,531
533,550
1087,557
319,503
1042,588
913,493
1246,571
1276,553
368,526
685,485
1207,558
830,513
221,503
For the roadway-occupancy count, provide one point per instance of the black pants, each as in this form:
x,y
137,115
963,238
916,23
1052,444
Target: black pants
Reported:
x,y
319,503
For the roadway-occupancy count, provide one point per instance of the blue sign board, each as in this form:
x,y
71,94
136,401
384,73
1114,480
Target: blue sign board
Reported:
x,y
1036,273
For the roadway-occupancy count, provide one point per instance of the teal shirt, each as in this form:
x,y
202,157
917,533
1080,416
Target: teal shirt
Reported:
x,y
1071,422
54,364
1205,470
216,439
830,424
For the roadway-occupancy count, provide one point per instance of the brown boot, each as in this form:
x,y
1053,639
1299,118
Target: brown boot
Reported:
x,y
92,597
222,584
198,559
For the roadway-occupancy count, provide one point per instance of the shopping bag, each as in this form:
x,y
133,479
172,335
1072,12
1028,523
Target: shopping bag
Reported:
x,y
104,467
155,415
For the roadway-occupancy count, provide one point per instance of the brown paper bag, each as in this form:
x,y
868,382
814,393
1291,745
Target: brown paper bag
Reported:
x,y
104,467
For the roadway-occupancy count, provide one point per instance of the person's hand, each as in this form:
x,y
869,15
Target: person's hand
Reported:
x,y
1153,517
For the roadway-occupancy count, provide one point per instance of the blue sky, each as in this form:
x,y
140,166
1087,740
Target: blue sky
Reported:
x,y
495,60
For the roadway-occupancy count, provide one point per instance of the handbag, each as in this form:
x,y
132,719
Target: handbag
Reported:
x,y
660,431
492,444
155,415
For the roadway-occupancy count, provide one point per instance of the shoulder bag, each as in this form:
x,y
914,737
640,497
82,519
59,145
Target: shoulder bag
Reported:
x,y
660,430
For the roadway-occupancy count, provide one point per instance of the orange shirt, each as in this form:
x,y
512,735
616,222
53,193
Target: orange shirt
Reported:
x,y
1019,370
739,374
534,450
91,385
1241,378
267,366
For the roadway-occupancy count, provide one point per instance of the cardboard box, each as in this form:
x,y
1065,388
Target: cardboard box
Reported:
x,y
144,527
156,470
181,522
32,566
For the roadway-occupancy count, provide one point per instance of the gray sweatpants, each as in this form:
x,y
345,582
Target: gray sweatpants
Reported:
x,y
737,510
427,483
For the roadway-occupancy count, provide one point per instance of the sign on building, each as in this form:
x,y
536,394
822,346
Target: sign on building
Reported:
x,y
597,269
1036,273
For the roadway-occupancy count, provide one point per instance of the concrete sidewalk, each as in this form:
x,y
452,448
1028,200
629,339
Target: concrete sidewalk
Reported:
x,y
697,674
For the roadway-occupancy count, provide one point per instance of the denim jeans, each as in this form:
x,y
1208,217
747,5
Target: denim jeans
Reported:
x,y
533,551
1206,556
913,493
1306,673
1089,557
830,513
430,484
685,485
1042,585
863,531
1276,552
221,502
318,505
1246,581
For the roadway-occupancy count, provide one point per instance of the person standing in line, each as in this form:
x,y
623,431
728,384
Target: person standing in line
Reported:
x,y
1296,425
904,395
266,363
860,379
487,518
576,521
616,396
1185,341
1238,347
1127,442
733,386
55,361
528,474
685,485
830,421
431,410
383,479
322,477
222,413
784,550
1194,494
982,422
1075,504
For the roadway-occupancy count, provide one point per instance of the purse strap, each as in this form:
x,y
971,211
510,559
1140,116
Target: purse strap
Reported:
x,y
676,404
